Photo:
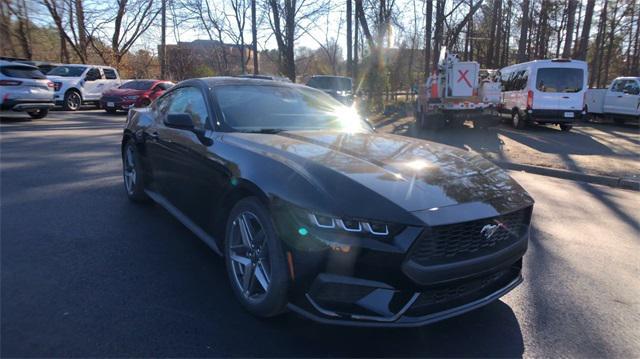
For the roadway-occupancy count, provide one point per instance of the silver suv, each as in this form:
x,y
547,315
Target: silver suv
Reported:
x,y
23,88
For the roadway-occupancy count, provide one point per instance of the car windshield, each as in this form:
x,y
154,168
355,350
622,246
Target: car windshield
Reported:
x,y
253,108
67,71
330,83
560,79
137,85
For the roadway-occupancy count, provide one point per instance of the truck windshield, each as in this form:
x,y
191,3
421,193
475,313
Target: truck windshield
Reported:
x,y
560,79
330,83
67,71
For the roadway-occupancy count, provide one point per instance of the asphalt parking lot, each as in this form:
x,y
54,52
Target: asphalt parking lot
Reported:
x,y
84,272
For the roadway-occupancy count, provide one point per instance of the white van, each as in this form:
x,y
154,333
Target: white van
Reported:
x,y
75,85
544,91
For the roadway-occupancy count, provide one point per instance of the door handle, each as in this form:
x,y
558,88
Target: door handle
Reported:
x,y
154,135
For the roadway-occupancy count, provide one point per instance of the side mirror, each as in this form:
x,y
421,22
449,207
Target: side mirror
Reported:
x,y
181,121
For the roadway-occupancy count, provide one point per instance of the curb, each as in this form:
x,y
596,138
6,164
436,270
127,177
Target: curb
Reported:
x,y
571,175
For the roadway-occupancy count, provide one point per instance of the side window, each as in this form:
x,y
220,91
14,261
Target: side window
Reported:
x,y
525,80
618,85
504,79
94,74
632,87
165,85
110,74
190,100
162,104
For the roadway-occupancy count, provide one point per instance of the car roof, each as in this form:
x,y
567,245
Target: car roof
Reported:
x,y
332,76
224,80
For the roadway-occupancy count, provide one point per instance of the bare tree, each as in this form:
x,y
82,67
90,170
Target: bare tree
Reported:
x,y
427,38
581,52
571,17
524,32
68,30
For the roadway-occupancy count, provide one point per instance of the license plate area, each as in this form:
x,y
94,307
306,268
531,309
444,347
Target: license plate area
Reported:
x,y
111,104
569,115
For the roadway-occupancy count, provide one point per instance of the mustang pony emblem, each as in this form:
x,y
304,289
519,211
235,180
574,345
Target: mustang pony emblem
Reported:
x,y
489,230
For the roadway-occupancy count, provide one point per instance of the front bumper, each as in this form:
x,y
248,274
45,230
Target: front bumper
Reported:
x,y
117,104
25,105
418,308
418,277
554,116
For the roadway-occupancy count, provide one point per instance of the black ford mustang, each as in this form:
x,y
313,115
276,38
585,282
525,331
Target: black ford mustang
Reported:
x,y
317,213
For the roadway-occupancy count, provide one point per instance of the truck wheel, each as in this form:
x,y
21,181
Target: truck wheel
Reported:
x,y
518,120
72,101
618,120
566,128
434,122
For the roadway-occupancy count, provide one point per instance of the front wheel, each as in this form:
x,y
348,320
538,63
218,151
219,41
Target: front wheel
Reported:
x,y
132,173
72,101
38,114
255,259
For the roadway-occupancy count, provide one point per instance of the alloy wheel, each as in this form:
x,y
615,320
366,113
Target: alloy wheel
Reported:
x,y
249,256
129,170
73,101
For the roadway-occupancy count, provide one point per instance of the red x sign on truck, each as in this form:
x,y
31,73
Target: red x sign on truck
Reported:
x,y
463,76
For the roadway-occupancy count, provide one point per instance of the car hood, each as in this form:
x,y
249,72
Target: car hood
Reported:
x,y
414,174
63,78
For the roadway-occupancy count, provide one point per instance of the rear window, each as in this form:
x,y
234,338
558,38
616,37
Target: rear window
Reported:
x,y
330,83
137,85
560,79
110,74
23,72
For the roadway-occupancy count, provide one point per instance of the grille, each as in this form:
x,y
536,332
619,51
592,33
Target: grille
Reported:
x,y
460,241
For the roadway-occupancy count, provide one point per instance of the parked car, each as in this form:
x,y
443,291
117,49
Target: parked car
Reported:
x,y
79,84
24,88
544,91
339,87
316,212
134,93
620,101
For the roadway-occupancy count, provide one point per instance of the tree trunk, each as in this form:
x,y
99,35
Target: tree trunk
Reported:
x,y
581,53
439,33
254,38
614,27
571,18
493,33
349,38
598,51
524,32
427,39
577,32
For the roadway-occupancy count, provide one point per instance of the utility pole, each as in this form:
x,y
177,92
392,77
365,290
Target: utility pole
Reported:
x,y
254,33
163,42
349,44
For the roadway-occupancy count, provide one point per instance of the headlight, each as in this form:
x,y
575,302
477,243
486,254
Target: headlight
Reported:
x,y
349,225
131,97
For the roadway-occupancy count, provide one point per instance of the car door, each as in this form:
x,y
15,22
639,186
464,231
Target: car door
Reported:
x,y
92,84
189,175
613,97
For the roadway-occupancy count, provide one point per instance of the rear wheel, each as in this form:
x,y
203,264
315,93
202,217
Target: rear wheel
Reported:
x,y
618,120
72,101
132,173
111,110
566,128
42,113
518,120
255,259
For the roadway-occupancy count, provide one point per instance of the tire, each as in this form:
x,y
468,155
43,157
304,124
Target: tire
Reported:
x,y
517,120
39,113
263,290
566,128
111,111
132,173
618,120
72,101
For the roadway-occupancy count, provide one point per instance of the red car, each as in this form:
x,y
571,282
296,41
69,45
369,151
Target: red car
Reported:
x,y
136,93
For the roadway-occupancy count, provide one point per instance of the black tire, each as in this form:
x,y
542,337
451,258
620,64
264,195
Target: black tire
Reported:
x,y
42,113
72,101
111,111
134,186
517,120
566,128
267,250
619,121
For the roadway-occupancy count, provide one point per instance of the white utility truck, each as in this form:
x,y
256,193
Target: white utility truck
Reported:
x,y
454,94
620,101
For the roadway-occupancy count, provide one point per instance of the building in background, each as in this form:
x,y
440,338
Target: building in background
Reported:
x,y
201,58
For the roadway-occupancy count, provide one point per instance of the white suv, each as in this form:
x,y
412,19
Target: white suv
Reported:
x,y
78,84
23,88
